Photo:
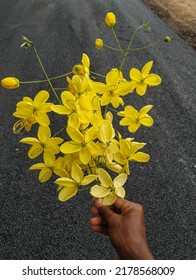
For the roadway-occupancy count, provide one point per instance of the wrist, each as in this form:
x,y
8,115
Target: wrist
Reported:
x,y
137,251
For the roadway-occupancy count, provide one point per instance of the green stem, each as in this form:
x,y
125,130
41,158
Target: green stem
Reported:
x,y
60,88
59,131
90,168
100,75
114,49
117,41
148,46
84,189
46,75
112,109
131,41
136,49
43,81
106,109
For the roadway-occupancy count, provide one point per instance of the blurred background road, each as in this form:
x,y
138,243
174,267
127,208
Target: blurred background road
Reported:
x,y
33,223
180,15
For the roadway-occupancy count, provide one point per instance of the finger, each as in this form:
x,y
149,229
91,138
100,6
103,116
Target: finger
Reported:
x,y
100,229
121,204
96,221
94,210
104,211
93,199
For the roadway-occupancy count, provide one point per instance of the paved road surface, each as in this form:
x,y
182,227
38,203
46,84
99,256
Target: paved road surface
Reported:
x,y
33,223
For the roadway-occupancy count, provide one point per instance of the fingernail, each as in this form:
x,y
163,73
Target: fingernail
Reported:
x,y
98,202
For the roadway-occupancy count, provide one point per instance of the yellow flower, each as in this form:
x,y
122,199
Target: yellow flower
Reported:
x,y
69,186
36,108
24,123
112,90
81,143
140,80
106,134
86,63
99,43
108,189
10,83
135,119
44,143
95,108
77,110
78,69
128,151
110,19
82,69
50,165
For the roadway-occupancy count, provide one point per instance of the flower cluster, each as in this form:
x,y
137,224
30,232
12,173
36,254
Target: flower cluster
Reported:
x,y
90,148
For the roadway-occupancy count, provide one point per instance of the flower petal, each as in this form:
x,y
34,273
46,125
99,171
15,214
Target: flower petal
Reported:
x,y
146,69
104,177
88,179
61,109
24,108
41,98
120,192
109,199
141,89
67,193
100,88
133,127
49,159
120,180
85,60
124,122
106,132
135,75
37,166
29,140
85,155
90,134
45,174
54,141
44,133
66,182
68,99
76,173
140,157
70,147
35,151
99,191
124,88
153,80
112,77
42,118
145,110
75,134
73,120
93,148
147,120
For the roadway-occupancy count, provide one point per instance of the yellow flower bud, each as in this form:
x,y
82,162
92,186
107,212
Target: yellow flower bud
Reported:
x,y
10,83
99,43
110,19
78,69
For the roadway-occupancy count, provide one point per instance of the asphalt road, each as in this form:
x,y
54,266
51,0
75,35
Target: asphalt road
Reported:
x,y
33,223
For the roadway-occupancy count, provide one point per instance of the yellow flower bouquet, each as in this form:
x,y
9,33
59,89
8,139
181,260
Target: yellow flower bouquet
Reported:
x,y
90,150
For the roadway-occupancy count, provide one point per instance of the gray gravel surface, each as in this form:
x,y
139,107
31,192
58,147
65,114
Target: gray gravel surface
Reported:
x,y
33,223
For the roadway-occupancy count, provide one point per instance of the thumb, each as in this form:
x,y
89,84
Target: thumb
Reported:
x,y
105,211
121,204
